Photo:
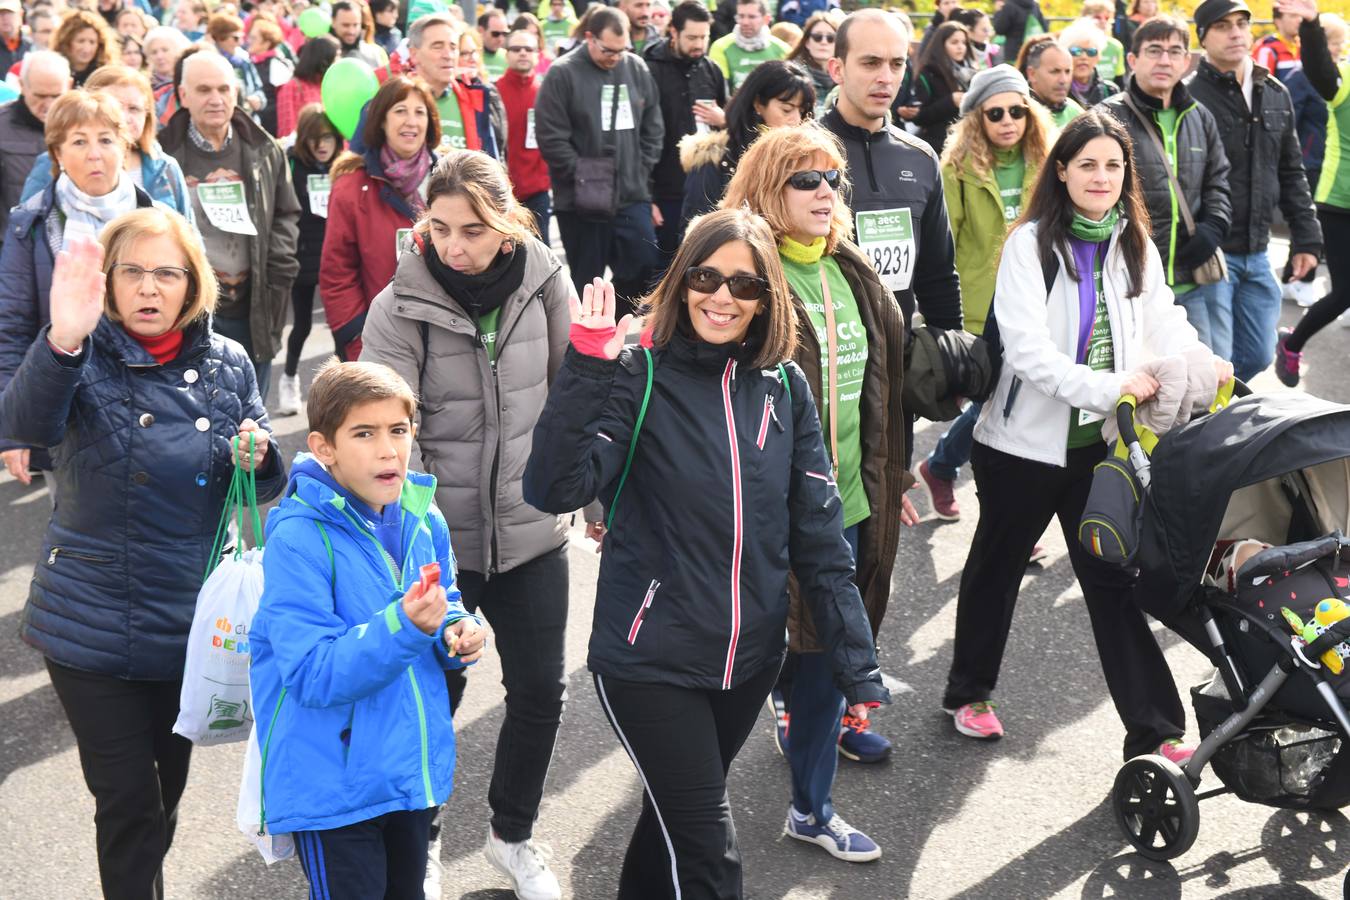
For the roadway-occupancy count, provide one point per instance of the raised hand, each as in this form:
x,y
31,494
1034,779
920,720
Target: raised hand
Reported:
x,y
593,330
78,286
1305,9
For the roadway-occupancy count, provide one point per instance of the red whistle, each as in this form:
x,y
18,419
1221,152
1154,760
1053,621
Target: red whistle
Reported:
x,y
431,576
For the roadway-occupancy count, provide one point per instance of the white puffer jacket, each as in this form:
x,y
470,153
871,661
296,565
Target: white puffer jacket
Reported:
x,y
1040,335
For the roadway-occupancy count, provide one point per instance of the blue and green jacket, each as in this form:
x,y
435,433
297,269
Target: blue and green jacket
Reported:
x,y
349,695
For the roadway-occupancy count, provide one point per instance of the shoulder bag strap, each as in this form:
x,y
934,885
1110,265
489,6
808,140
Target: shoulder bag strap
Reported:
x,y
1183,207
832,372
632,442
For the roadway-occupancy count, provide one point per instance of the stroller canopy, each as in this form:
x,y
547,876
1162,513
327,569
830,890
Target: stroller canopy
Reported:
x,y
1266,467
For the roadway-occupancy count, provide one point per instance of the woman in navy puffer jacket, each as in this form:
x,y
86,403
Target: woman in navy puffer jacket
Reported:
x,y
137,401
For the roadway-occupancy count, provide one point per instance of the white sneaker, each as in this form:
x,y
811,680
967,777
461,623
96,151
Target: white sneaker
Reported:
x,y
526,864
431,883
288,395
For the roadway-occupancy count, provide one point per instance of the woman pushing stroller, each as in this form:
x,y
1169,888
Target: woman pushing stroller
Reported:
x,y
1071,350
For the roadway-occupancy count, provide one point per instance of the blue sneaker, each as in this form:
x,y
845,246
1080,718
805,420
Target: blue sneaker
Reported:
x,y
838,838
858,743
778,707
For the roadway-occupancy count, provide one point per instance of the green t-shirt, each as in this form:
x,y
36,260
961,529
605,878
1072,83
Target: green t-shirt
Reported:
x,y
1100,357
1111,63
804,279
737,64
556,31
1066,115
1010,168
1033,28
452,122
487,328
1333,187
495,63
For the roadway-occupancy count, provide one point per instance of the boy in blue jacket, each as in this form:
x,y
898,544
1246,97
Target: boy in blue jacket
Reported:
x,y
349,652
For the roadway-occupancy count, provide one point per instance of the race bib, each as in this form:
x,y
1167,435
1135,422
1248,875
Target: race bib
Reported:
x,y
623,113
225,208
531,143
401,240
886,237
319,187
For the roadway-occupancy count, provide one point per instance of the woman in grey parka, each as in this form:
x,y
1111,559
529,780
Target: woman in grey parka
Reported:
x,y
476,320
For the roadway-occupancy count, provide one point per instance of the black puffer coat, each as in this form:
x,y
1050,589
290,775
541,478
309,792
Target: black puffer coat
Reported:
x,y
729,489
141,458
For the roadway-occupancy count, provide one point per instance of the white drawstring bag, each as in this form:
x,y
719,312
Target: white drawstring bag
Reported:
x,y
249,814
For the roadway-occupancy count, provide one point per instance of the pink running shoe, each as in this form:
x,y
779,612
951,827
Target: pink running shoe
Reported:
x,y
941,492
977,720
1172,749
1286,360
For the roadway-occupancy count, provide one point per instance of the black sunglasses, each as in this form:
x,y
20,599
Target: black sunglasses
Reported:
x,y
822,37
499,34
707,281
996,113
811,178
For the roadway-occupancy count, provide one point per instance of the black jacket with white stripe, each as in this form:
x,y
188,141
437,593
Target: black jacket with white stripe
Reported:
x,y
729,488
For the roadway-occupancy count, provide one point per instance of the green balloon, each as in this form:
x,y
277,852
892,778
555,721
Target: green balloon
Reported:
x,y
347,86
313,22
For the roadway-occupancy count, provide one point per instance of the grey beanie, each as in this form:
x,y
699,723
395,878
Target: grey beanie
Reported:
x,y
988,82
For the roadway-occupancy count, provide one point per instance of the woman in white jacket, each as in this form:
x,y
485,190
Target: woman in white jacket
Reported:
x,y
1069,354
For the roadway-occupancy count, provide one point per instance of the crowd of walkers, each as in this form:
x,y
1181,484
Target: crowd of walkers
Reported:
x,y
759,207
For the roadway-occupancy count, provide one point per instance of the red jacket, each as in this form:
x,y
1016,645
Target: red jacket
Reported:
x,y
529,173
359,250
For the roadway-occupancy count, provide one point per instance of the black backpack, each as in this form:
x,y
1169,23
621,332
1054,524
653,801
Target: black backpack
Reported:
x,y
1049,269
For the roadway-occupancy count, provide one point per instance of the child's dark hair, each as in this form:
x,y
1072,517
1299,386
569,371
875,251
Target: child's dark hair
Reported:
x,y
340,386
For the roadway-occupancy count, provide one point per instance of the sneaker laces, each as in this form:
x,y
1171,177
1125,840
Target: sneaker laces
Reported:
x,y
982,707
839,828
535,857
857,724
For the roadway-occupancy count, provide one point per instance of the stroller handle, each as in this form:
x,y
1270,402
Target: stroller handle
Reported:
x,y
1125,412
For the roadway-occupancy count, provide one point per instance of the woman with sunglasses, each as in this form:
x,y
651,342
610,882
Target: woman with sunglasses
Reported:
x,y
989,168
852,354
692,602
1069,354
1086,43
944,74
814,50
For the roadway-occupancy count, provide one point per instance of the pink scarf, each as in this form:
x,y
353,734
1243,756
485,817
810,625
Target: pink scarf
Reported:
x,y
407,175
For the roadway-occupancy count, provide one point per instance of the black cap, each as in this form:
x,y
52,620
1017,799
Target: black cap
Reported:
x,y
1211,11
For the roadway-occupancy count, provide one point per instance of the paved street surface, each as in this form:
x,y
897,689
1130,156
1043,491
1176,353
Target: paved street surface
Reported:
x,y
1025,817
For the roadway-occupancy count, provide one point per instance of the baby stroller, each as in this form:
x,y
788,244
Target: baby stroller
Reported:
x,y
1273,719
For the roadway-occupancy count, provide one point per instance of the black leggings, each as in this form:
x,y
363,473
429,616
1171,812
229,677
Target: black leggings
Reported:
x,y
1335,237
302,310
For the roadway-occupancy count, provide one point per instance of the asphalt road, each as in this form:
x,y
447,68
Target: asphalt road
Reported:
x,y
1022,818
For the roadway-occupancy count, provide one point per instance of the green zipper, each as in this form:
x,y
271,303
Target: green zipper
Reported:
x,y
1170,142
262,767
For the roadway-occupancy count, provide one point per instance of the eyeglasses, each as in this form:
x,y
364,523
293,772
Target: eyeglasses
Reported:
x,y
1158,51
995,114
704,280
522,50
165,276
499,34
1082,51
822,37
608,51
811,178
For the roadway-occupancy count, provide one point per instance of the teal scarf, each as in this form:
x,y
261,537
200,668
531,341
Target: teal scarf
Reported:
x,y
1085,229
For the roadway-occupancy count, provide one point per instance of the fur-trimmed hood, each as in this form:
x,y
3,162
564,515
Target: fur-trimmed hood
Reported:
x,y
703,149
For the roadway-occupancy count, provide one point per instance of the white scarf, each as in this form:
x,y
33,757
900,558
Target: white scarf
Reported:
x,y
86,216
752,44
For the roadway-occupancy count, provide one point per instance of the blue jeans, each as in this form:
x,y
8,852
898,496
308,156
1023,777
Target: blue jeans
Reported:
x,y
815,707
953,449
1209,309
1255,300
238,330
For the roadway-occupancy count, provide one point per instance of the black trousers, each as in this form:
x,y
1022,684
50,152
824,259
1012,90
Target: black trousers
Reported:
x,y
381,857
302,322
1018,497
1336,235
136,768
527,609
626,244
682,742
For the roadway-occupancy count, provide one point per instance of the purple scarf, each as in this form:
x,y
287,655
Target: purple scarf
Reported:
x,y
407,175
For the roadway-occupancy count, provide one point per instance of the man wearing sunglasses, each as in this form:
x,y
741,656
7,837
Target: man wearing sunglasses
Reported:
x,y
693,94
492,33
1156,107
598,112
1256,120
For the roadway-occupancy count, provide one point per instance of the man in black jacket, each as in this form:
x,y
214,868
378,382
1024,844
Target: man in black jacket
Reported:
x,y
1256,120
693,93
1155,108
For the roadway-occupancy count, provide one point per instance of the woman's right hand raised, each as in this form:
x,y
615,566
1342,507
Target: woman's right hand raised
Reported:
x,y
593,330
78,286
1140,384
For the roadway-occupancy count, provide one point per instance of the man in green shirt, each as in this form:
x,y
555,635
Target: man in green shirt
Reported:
x,y
748,45
434,52
641,31
1048,69
492,32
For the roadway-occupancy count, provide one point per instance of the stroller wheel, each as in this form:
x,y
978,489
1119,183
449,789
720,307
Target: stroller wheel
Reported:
x,y
1156,807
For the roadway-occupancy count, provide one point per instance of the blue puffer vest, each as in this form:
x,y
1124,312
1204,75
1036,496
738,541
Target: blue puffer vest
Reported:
x,y
141,460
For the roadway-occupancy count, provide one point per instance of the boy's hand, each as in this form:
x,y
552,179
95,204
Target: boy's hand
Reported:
x,y
425,609
465,640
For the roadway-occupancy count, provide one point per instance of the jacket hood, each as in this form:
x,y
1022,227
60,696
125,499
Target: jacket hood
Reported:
x,y
311,493
661,52
413,279
697,150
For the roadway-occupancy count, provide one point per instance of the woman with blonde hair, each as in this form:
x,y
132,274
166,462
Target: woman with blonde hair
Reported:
x,y
139,403
87,42
852,356
988,169
475,320
692,602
